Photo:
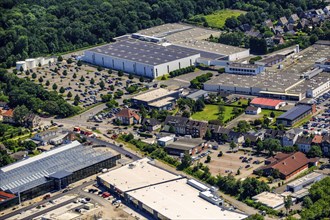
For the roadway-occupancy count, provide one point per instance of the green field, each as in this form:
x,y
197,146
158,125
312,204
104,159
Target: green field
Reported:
x,y
218,18
211,112
241,102
268,111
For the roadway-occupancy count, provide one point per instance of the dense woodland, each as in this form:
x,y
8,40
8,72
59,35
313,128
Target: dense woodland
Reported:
x,y
30,28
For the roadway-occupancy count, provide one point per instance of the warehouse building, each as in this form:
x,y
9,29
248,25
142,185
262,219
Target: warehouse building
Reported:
x,y
295,114
160,194
184,146
140,57
244,69
54,169
161,99
305,181
271,61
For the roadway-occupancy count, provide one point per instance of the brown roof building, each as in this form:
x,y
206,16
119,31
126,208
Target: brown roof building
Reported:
x,y
128,117
287,164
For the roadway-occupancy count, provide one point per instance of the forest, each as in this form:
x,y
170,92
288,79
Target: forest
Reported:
x,y
32,28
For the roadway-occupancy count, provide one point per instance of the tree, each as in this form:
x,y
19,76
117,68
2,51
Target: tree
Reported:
x,y
79,63
99,68
102,85
110,71
20,113
143,111
77,98
69,95
315,151
255,217
59,58
200,105
220,154
27,72
258,46
47,83
74,75
185,162
62,90
247,142
40,79
82,79
129,137
238,172
232,145
34,75
287,203
272,114
120,73
54,86
243,126
130,76
21,69
208,159
69,61
186,114
92,81
307,202
272,145
163,77
65,73
208,134
141,79
112,103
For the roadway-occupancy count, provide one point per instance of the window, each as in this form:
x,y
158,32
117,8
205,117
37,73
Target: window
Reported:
x,y
123,66
179,65
103,61
156,72
168,69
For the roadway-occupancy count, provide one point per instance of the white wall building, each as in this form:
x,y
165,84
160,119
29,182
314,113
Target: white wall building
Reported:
x,y
304,181
140,57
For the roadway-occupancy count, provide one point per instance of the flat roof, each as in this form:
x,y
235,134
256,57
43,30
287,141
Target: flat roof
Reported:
x,y
154,94
269,199
162,102
177,200
141,173
165,139
142,52
295,112
305,179
203,53
271,58
243,65
185,143
211,47
197,94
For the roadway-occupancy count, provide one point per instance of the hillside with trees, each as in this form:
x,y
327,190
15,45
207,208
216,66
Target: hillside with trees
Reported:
x,y
43,27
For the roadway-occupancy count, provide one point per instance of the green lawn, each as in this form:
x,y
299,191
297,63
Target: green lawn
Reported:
x,y
241,102
268,111
211,112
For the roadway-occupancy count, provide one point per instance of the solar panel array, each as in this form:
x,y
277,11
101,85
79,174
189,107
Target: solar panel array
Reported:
x,y
33,174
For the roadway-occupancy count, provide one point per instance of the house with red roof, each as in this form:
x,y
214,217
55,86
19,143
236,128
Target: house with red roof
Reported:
x,y
265,103
288,165
7,200
8,116
128,117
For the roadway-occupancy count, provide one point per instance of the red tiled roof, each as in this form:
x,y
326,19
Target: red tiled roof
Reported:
x,y
266,102
317,139
4,195
291,163
128,113
8,113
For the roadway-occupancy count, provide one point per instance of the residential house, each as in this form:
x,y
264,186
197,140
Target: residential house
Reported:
x,y
304,143
268,23
128,117
327,10
3,104
320,13
251,110
287,164
291,136
317,140
278,30
32,121
282,21
316,21
254,137
196,129
326,145
19,155
303,23
293,19
274,134
177,122
151,124
278,40
219,133
289,27
236,137
245,27
55,137
253,33
8,116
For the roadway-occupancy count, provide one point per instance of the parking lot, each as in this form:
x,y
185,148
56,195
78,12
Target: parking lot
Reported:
x,y
85,81
230,162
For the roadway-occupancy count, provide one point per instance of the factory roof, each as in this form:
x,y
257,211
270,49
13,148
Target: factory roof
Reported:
x,y
305,179
271,59
203,53
197,94
295,112
185,143
243,65
269,199
266,102
31,172
177,200
162,102
141,173
142,52
152,95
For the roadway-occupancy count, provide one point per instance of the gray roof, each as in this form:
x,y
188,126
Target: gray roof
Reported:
x,y
31,172
204,54
295,112
60,174
143,52
197,94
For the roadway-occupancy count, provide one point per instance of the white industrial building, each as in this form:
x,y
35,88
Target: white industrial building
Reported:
x,y
34,62
164,195
140,57
244,69
305,181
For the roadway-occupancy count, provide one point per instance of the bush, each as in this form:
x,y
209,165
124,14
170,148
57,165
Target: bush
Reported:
x,y
182,71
